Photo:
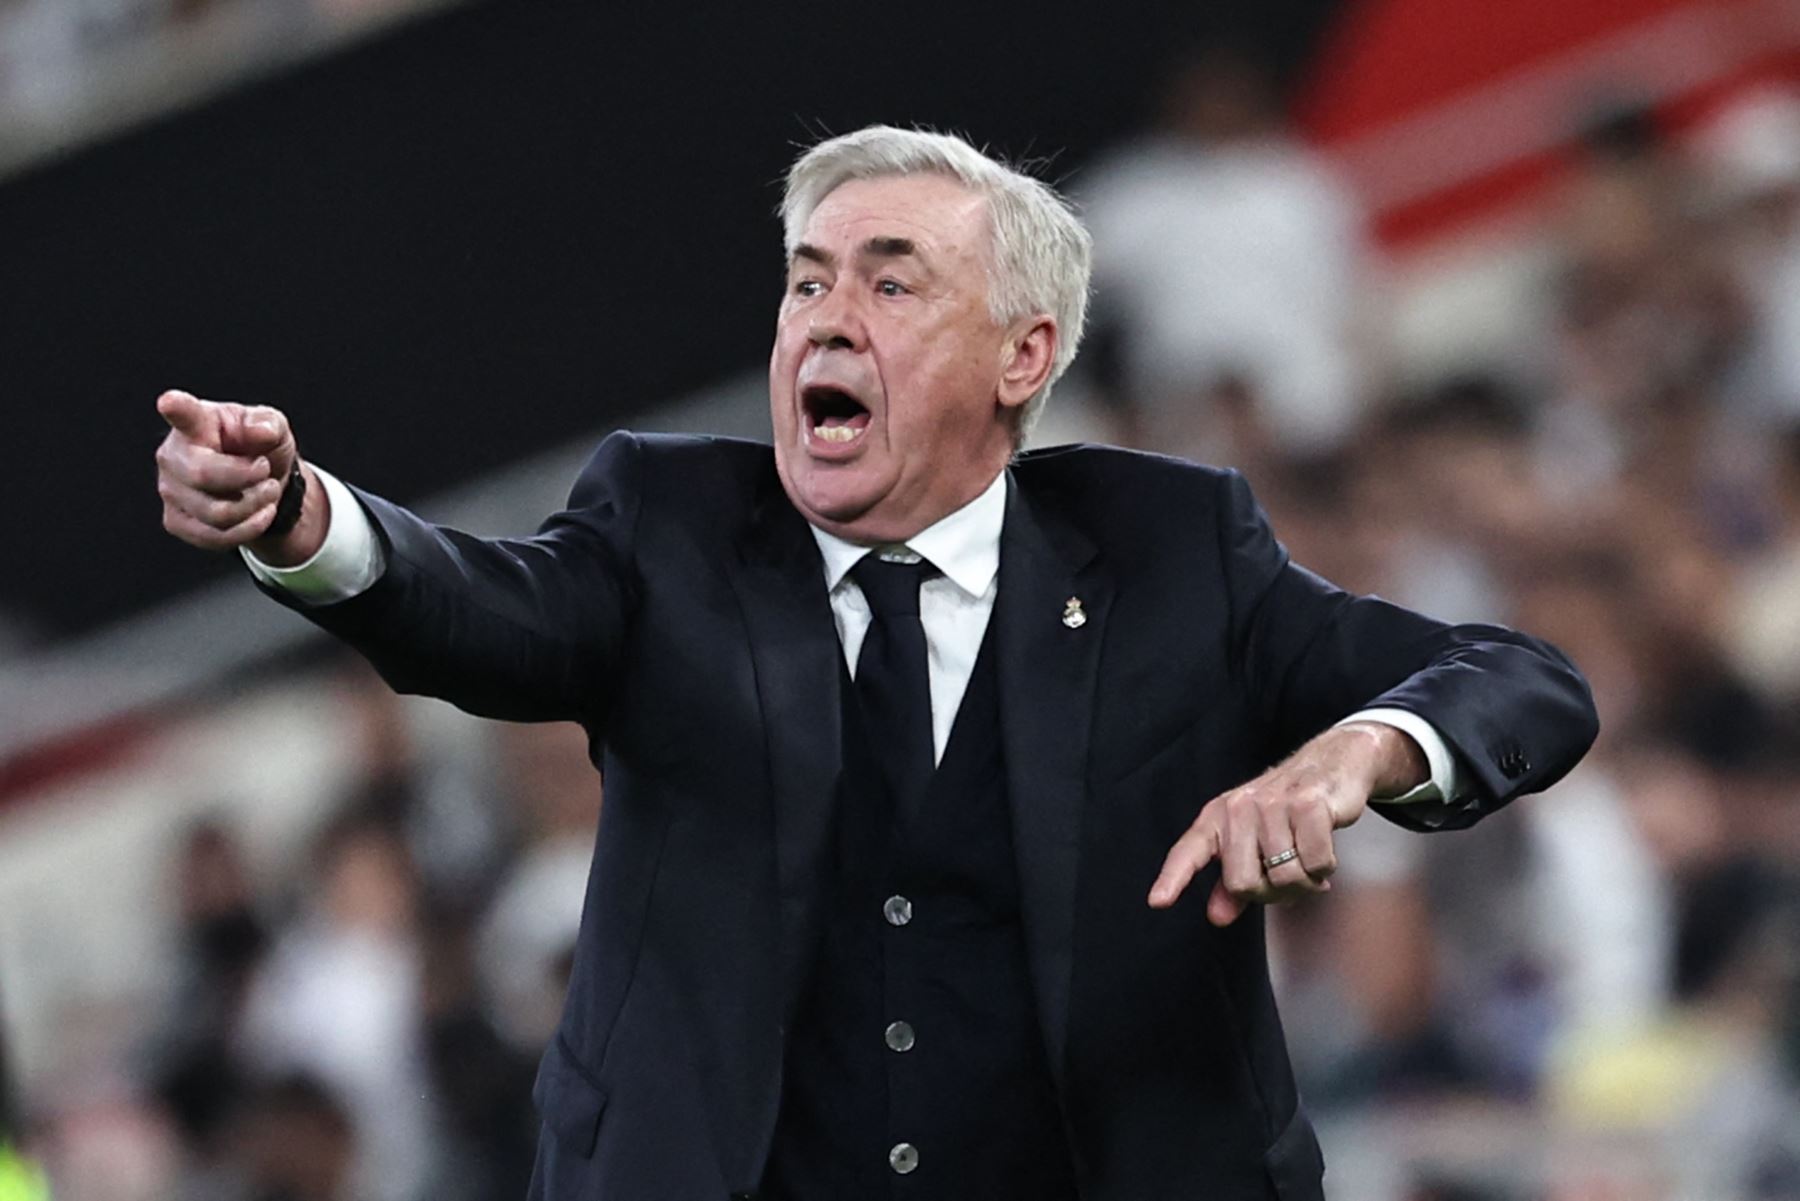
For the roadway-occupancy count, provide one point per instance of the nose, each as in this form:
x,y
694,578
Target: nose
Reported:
x,y
828,336
833,324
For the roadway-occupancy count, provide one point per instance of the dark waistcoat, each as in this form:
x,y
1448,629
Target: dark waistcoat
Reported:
x,y
915,1068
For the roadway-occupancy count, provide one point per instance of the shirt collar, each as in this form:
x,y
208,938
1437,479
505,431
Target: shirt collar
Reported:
x,y
965,546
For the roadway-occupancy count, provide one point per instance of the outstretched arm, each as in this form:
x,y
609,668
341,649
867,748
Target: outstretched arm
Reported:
x,y
523,629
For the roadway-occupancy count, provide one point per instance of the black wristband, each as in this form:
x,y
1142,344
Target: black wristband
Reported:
x,y
287,509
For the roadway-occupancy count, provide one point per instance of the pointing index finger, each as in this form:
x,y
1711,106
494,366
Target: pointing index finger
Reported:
x,y
1191,852
186,414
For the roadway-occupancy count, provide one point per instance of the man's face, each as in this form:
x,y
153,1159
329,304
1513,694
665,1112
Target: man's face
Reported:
x,y
885,383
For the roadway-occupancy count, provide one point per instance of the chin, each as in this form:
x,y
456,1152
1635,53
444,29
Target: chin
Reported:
x,y
831,495
831,501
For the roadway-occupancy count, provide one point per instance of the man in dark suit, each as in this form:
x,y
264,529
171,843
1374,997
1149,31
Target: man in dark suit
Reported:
x,y
940,806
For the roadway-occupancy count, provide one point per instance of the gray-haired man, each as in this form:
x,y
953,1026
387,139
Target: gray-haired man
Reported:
x,y
943,783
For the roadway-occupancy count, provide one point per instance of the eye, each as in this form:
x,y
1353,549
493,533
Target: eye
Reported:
x,y
890,287
809,287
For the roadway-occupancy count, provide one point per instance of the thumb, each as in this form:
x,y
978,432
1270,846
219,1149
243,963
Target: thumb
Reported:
x,y
188,414
253,430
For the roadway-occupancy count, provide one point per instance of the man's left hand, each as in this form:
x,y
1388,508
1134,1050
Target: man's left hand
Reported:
x,y
1295,805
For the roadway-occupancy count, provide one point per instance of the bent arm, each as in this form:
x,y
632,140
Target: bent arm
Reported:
x,y
1514,709
520,629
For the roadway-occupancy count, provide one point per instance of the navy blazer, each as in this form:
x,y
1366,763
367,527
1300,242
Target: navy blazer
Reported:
x,y
677,610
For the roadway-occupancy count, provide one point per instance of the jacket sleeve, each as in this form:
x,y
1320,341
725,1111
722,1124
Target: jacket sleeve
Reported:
x,y
1512,707
525,629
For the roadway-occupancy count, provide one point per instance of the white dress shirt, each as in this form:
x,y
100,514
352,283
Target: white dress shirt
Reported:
x,y
954,606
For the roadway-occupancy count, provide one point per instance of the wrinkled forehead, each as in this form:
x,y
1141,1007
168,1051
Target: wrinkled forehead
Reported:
x,y
939,215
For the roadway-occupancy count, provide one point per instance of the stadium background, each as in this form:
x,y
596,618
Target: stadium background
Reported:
x,y
1499,307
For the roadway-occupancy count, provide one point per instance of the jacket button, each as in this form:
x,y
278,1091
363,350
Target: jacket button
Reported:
x,y
900,1036
897,910
903,1158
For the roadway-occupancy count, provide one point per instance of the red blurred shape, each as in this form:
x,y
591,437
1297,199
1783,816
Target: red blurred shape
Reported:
x,y
1443,115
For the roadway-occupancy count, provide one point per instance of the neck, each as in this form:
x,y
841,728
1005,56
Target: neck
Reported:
x,y
873,530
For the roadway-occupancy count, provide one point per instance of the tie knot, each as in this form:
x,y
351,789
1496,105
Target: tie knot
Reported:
x,y
891,588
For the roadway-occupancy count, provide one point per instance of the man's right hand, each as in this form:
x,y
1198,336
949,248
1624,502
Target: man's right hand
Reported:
x,y
220,472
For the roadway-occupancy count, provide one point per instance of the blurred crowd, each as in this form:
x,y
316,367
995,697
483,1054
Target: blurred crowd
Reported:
x,y
1622,953
363,1024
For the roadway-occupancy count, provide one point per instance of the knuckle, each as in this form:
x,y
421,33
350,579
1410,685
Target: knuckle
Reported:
x,y
1312,792
213,475
1310,804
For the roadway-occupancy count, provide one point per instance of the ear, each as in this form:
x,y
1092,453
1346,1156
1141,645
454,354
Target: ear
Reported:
x,y
1025,359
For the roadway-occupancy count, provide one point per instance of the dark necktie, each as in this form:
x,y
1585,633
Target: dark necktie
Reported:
x,y
892,681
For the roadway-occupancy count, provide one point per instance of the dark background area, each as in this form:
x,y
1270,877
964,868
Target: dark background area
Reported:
x,y
478,236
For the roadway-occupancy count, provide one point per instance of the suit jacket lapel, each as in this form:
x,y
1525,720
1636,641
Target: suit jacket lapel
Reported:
x,y
1051,610
798,662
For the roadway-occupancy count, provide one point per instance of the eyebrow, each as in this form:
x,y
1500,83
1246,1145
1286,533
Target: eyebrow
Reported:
x,y
888,248
880,246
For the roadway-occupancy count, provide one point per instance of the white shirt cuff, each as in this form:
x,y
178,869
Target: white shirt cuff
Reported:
x,y
1444,782
346,564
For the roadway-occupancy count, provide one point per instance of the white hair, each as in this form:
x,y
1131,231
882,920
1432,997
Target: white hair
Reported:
x,y
1041,257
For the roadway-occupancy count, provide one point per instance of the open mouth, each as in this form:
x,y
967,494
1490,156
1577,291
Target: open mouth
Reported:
x,y
833,415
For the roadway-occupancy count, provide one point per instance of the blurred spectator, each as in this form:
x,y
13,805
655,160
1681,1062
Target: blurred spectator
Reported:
x,y
221,943
340,998
1751,154
1712,1074
529,933
294,1142
1763,624
432,790
482,1081
1229,273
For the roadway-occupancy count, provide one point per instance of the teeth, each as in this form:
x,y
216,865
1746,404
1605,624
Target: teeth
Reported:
x,y
835,433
